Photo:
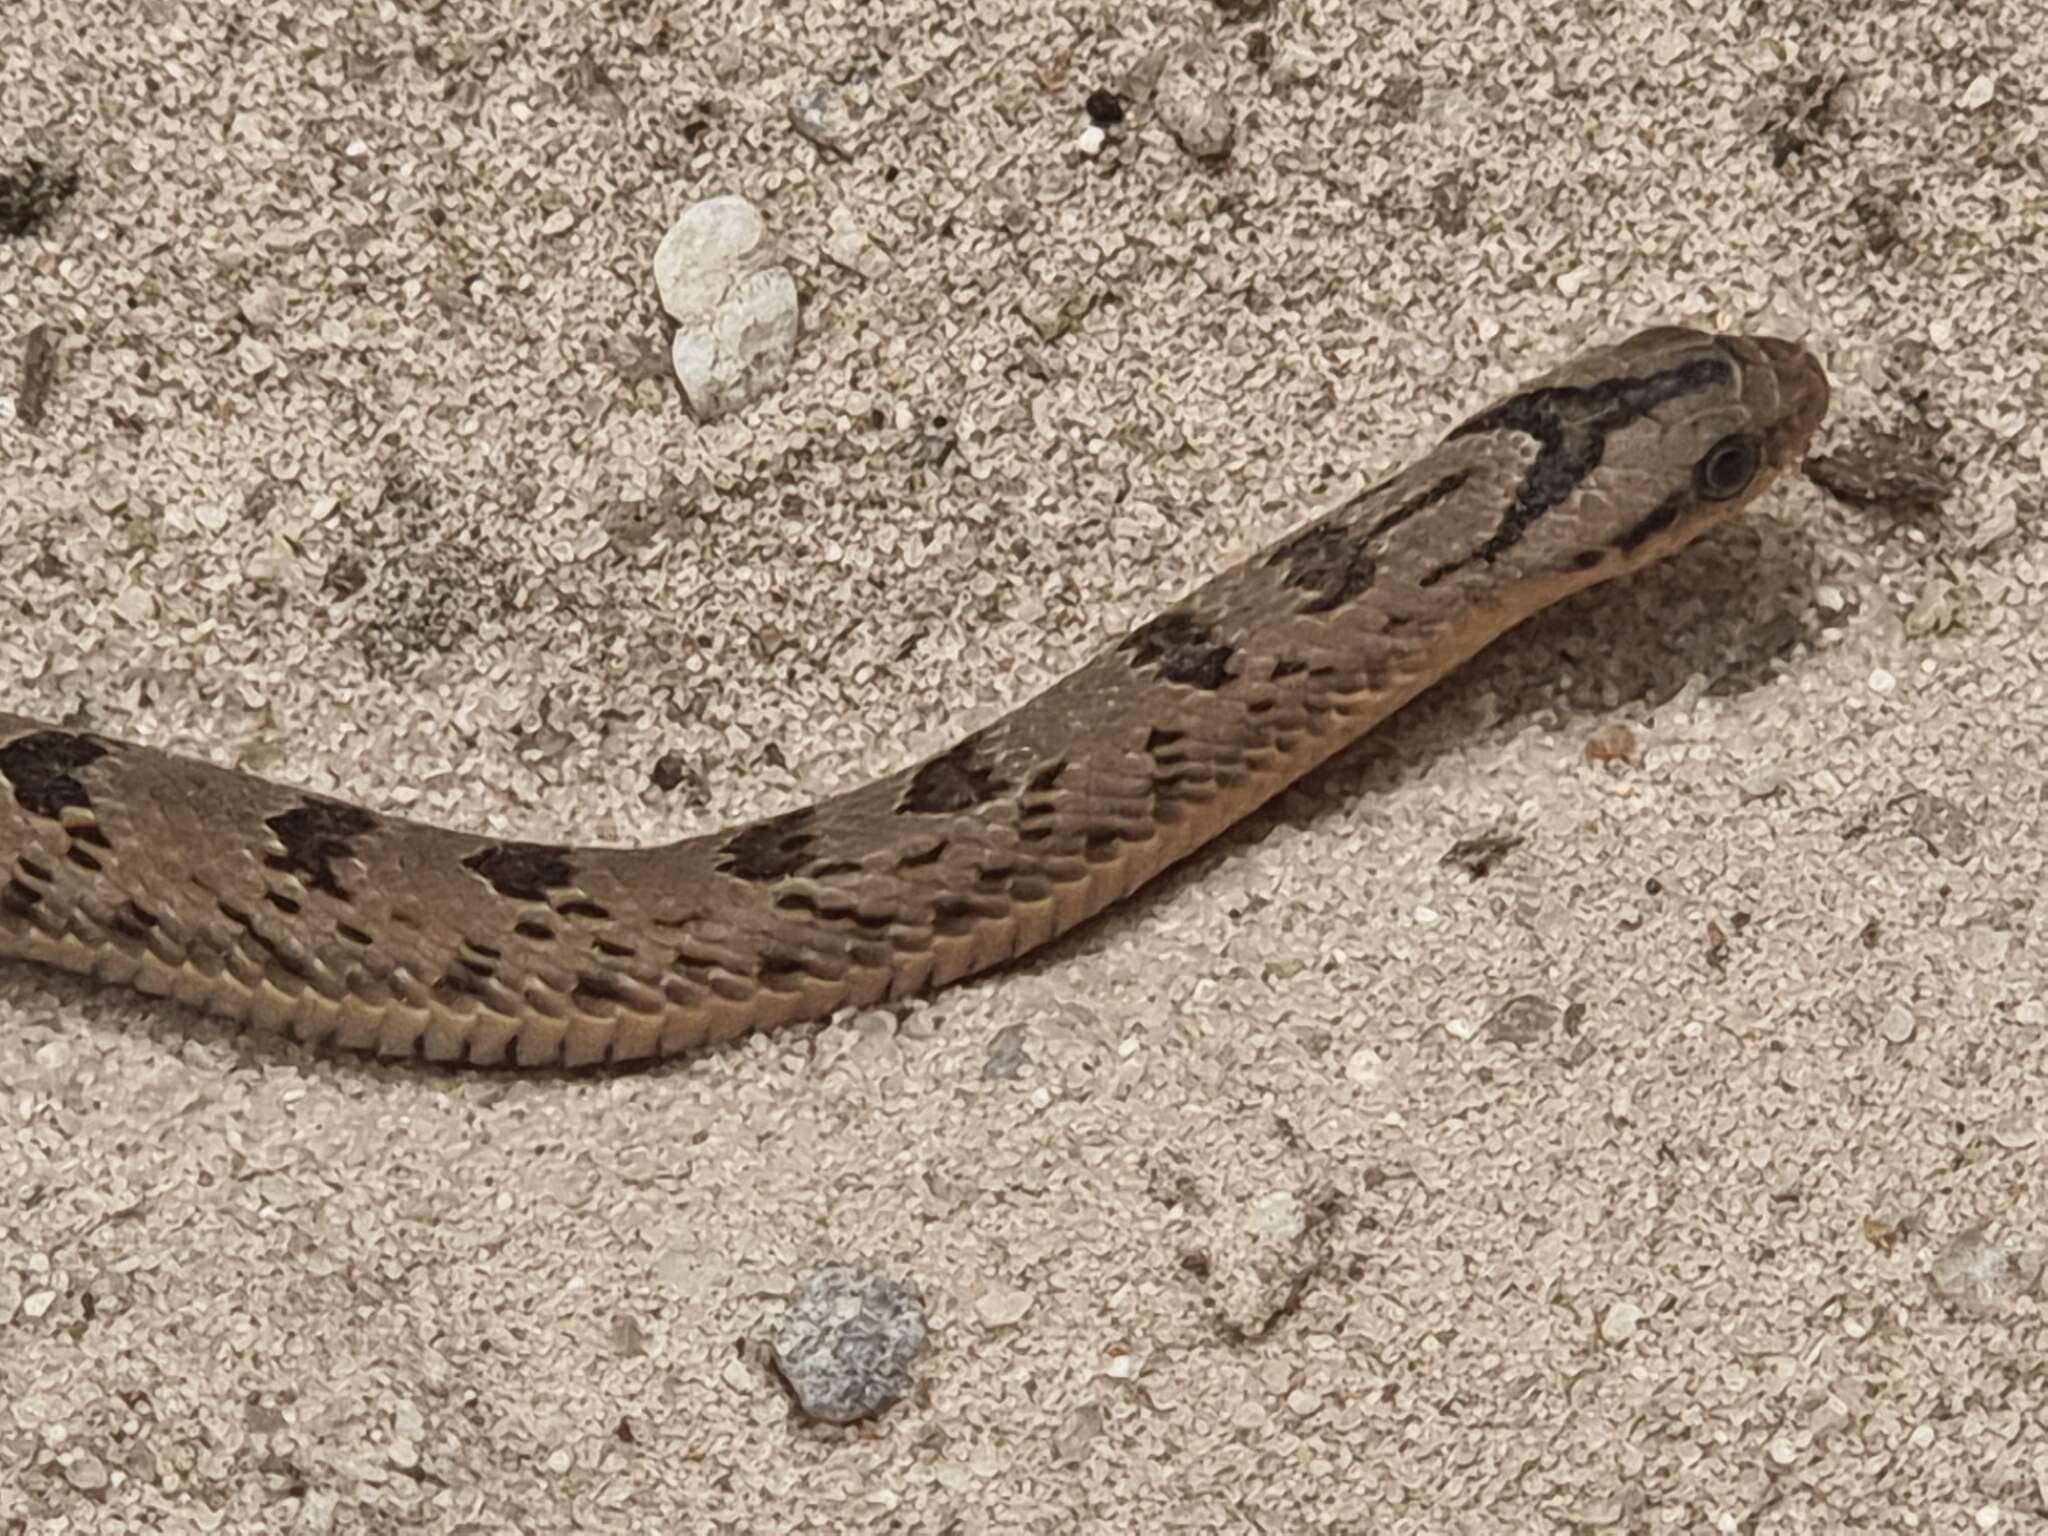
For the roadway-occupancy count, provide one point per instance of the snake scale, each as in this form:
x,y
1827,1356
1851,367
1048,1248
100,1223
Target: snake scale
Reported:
x,y
342,924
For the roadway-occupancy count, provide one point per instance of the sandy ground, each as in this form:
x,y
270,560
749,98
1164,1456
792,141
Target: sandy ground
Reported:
x,y
351,460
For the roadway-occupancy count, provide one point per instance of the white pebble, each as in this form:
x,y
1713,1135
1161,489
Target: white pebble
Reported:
x,y
1979,92
735,305
1619,1325
1278,1216
135,605
1001,1306
253,357
1882,681
1762,781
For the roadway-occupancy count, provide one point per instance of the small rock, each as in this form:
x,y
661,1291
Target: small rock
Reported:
x,y
1897,1025
1619,1325
1294,64
1002,1306
1006,1060
1278,1216
2015,1131
1053,313
1933,611
1105,109
1763,781
253,357
835,114
261,308
1478,855
1978,94
1521,1020
1364,1067
1612,744
135,605
846,1344
849,246
1949,831
1077,1431
734,304
1194,109
1987,1268
86,1472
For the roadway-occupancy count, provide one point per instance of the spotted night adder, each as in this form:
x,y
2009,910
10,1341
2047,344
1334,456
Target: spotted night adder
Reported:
x,y
343,924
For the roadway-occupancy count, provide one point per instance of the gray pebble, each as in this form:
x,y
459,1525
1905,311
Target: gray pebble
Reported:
x,y
1522,1020
1987,1268
846,1345
834,114
1193,106
1006,1058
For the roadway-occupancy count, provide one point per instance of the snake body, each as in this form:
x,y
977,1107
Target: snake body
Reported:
x,y
345,925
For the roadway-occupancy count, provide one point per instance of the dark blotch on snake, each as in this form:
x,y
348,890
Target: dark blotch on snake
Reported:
x,y
1333,560
522,871
958,779
1181,649
314,836
769,850
42,768
1328,560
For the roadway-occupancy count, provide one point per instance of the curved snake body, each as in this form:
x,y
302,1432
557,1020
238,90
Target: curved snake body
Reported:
x,y
343,924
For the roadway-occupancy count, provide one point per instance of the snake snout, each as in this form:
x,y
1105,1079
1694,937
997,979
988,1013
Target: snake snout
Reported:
x,y
1802,393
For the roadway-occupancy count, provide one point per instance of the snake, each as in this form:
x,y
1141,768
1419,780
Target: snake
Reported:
x,y
344,926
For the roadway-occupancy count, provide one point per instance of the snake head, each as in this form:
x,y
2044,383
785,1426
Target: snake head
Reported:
x,y
1623,455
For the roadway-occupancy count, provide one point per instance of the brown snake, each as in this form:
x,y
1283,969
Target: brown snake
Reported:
x,y
346,925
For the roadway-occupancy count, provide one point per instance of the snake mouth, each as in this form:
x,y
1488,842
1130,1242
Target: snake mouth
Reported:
x,y
1802,396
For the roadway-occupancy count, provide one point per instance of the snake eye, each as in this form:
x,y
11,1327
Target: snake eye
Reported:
x,y
1728,468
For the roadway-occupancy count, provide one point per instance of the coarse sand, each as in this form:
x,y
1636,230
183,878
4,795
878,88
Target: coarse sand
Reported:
x,y
1667,1158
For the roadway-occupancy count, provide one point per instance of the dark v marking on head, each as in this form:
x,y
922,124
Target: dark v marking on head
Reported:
x,y
1570,427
